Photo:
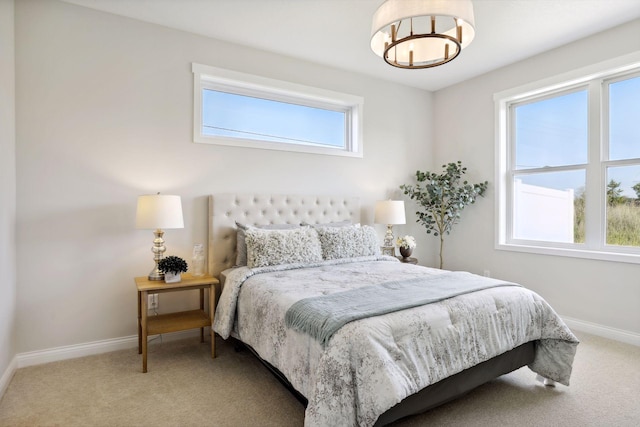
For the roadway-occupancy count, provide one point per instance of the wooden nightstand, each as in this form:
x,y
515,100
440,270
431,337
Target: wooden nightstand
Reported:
x,y
408,260
179,321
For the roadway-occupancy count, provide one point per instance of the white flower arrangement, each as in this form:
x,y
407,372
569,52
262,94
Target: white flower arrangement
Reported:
x,y
406,242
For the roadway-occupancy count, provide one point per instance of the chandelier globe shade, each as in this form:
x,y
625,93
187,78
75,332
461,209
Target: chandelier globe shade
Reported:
x,y
417,34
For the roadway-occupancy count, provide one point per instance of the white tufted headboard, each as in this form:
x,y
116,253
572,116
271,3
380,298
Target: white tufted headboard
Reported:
x,y
260,209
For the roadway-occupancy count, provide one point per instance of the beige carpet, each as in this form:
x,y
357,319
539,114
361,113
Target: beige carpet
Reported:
x,y
185,387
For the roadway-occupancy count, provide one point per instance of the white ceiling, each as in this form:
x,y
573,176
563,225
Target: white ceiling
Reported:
x,y
337,32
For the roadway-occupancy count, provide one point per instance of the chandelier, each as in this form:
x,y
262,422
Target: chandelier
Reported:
x,y
421,33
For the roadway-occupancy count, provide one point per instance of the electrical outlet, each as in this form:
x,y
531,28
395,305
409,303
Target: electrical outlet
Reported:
x,y
152,301
487,273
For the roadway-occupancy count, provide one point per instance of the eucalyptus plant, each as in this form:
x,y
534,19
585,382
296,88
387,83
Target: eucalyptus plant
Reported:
x,y
442,197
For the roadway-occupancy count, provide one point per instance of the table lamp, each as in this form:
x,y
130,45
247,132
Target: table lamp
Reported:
x,y
389,212
157,212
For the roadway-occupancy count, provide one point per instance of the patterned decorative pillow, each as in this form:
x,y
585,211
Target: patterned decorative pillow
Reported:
x,y
241,246
348,242
275,247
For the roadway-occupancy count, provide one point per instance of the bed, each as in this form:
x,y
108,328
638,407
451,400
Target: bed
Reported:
x,y
386,364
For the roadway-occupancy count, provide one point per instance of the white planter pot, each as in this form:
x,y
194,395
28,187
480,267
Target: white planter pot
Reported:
x,y
172,278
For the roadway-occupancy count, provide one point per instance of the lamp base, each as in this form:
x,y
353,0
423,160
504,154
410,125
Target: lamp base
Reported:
x,y
158,250
156,274
388,237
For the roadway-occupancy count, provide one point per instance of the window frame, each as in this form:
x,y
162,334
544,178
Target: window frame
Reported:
x,y
595,79
219,79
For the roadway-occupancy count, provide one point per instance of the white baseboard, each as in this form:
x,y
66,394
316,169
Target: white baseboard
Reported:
x,y
40,357
6,377
97,347
86,349
602,331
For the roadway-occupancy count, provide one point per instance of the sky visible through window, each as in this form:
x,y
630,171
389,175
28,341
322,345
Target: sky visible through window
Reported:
x,y
239,116
554,132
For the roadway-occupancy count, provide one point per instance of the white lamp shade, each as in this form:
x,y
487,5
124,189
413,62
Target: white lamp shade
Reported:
x,y
390,212
159,211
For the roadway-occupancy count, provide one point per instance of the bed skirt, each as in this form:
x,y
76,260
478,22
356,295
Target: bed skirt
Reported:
x,y
459,384
436,394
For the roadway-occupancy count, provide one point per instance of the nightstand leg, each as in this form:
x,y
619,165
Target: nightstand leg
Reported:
x,y
202,308
212,310
143,308
139,324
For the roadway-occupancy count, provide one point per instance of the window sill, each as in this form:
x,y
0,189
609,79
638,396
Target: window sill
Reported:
x,y
571,252
265,145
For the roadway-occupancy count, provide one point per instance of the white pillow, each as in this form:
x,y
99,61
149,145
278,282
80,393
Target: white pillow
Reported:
x,y
276,247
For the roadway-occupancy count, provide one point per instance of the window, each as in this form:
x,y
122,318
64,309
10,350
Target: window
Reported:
x,y
238,109
569,166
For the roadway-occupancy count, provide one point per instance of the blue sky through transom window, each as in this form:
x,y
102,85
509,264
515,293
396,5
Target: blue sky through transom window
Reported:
x,y
240,116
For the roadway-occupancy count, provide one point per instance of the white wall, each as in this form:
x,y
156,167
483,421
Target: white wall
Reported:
x,y
104,113
605,293
7,192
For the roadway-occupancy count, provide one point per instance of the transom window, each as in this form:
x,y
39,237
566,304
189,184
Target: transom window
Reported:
x,y
569,167
249,111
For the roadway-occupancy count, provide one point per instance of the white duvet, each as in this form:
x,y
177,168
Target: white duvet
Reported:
x,y
370,365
